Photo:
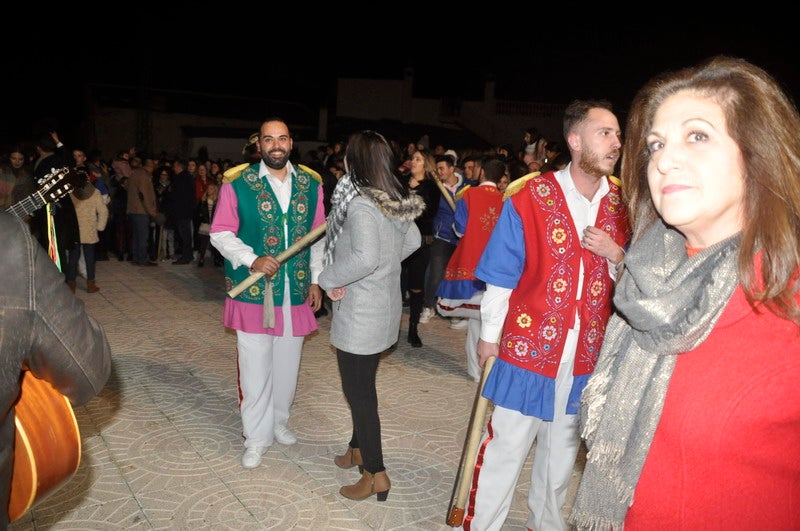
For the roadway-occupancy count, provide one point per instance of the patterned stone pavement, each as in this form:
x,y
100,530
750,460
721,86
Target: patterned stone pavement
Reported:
x,y
162,442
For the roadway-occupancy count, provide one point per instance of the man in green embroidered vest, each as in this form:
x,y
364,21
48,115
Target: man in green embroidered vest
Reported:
x,y
263,208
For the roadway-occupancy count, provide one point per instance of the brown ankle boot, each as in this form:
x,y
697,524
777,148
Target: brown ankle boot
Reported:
x,y
72,285
351,458
91,287
368,485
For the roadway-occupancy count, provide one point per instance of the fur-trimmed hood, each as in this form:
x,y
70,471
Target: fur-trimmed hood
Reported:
x,y
406,209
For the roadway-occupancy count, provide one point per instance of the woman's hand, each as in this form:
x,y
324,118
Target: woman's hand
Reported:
x,y
336,294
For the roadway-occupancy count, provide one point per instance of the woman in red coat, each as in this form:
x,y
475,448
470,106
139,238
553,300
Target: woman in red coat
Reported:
x,y
692,416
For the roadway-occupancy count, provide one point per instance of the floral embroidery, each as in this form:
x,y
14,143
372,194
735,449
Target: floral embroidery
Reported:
x,y
301,275
560,285
559,235
524,320
266,206
597,288
272,241
549,333
521,349
255,290
543,189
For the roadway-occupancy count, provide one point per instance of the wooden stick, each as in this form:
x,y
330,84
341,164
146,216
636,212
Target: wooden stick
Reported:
x,y
293,249
445,193
455,516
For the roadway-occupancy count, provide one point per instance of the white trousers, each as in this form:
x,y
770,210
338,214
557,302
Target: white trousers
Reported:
x,y
473,335
504,448
268,368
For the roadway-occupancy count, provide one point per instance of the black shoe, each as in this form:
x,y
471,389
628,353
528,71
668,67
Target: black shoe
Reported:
x,y
413,338
200,263
121,258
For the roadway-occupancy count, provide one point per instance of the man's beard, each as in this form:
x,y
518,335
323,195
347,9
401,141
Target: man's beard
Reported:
x,y
275,162
595,165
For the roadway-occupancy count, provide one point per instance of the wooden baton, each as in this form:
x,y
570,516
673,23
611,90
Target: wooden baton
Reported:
x,y
290,251
455,515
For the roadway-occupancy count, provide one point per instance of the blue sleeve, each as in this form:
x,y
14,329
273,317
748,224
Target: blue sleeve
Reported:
x,y
460,222
503,258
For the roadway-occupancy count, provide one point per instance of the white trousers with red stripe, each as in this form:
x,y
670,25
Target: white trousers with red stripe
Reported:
x,y
268,368
504,448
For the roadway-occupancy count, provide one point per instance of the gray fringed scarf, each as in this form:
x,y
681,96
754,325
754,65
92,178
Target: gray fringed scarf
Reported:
x,y
405,209
344,192
666,304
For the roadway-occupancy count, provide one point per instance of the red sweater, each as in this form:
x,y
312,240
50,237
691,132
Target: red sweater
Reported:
x,y
726,453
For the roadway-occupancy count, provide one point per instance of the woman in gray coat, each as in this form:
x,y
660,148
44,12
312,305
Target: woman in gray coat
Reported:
x,y
371,230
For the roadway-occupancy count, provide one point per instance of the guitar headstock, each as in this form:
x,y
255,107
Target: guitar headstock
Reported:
x,y
59,183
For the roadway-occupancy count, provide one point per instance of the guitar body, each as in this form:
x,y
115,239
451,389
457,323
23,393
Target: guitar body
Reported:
x,y
47,448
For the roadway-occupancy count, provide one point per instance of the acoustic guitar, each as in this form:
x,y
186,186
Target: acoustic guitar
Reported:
x,y
47,443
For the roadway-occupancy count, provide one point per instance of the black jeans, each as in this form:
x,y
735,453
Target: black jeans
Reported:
x,y
358,383
441,251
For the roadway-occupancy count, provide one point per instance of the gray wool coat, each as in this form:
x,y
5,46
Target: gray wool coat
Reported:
x,y
366,261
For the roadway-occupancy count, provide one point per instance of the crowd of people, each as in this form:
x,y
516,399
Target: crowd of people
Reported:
x,y
652,317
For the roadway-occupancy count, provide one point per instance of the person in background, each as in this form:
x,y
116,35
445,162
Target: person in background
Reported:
x,y
44,329
182,202
692,417
370,231
166,232
205,213
262,210
420,181
549,269
444,239
459,293
92,214
141,210
60,235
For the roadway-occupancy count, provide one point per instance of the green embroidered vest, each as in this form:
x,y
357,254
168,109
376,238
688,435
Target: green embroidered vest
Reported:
x,y
261,225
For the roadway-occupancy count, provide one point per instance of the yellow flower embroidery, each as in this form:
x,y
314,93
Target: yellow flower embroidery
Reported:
x,y
524,320
559,235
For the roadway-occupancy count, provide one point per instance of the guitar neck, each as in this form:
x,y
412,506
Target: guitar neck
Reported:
x,y
27,206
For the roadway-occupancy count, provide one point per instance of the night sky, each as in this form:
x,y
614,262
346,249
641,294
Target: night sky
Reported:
x,y
229,51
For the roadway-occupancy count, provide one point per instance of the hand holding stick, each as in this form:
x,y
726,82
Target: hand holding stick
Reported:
x,y
293,249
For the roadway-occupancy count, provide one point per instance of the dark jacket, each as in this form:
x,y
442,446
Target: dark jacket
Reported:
x,y
45,328
182,195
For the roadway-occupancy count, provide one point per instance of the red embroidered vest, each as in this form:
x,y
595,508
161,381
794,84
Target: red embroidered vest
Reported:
x,y
542,307
483,205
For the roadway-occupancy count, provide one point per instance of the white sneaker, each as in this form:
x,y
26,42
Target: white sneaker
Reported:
x,y
458,324
251,457
426,315
284,436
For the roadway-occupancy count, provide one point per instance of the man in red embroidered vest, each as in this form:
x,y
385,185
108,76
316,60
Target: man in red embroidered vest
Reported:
x,y
264,208
549,267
